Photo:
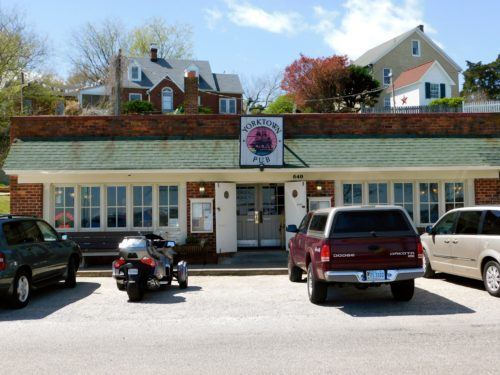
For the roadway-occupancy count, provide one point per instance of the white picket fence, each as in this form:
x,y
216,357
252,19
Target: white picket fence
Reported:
x,y
481,107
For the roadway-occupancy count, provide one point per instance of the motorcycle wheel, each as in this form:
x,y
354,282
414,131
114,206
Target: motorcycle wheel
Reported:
x,y
135,292
183,284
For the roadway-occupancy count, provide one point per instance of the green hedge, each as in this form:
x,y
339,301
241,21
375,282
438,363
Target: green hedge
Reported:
x,y
138,106
447,102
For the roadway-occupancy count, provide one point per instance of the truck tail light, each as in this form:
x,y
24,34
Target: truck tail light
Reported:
x,y
325,253
420,250
148,261
118,263
3,262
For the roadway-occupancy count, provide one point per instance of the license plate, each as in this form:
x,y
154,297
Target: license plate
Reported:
x,y
133,271
377,275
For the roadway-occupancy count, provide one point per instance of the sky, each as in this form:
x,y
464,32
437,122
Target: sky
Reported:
x,y
256,37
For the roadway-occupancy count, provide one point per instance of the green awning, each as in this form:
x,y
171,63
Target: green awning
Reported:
x,y
340,152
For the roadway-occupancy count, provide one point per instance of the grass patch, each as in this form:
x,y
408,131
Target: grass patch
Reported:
x,y
4,204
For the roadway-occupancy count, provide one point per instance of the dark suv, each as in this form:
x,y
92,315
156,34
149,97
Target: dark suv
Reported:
x,y
364,246
33,254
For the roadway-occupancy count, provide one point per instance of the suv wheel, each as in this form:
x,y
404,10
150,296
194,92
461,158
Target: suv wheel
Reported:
x,y
294,272
315,289
22,290
403,290
491,278
429,273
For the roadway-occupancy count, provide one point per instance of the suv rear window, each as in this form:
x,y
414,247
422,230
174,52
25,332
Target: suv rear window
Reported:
x,y
371,222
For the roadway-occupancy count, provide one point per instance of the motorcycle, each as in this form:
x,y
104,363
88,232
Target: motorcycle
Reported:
x,y
147,263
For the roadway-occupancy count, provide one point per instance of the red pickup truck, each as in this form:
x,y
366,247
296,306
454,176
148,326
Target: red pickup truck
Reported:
x,y
365,246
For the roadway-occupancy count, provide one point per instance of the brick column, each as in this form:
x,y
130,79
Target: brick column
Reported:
x,y
26,199
487,190
327,189
193,191
191,94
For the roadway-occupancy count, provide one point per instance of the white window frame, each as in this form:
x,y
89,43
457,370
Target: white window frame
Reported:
x,y
132,206
76,215
413,197
418,54
454,202
197,201
163,90
387,185
127,205
437,91
319,199
363,193
439,201
388,76
80,207
227,112
158,205
134,93
139,73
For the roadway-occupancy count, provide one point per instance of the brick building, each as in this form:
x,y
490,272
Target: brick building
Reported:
x,y
186,175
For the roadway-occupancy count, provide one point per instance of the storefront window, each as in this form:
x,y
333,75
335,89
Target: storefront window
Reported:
x,y
168,206
429,207
377,193
403,196
353,194
64,211
454,195
316,203
117,206
143,206
201,216
90,206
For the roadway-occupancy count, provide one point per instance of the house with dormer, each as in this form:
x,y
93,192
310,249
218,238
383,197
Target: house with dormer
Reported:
x,y
412,68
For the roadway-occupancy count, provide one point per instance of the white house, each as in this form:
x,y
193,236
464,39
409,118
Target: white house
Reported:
x,y
419,86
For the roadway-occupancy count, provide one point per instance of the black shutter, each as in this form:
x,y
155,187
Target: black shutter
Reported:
x,y
442,90
427,90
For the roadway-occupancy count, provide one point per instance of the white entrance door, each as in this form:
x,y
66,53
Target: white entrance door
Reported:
x,y
295,204
167,100
225,217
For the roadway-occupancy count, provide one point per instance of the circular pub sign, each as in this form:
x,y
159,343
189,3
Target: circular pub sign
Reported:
x,y
261,141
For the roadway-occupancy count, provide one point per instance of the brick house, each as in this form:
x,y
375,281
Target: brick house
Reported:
x,y
184,175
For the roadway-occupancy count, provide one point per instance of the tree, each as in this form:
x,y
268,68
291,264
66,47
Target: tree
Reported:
x,y
42,95
94,46
482,80
259,92
282,104
329,84
173,41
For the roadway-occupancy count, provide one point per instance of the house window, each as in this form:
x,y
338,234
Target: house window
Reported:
x,y
135,73
64,210
403,196
117,206
134,96
227,106
90,207
387,76
352,194
415,48
142,206
434,90
454,195
167,100
387,102
429,202
377,193
316,203
201,215
168,206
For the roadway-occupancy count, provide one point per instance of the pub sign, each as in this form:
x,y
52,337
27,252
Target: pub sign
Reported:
x,y
261,141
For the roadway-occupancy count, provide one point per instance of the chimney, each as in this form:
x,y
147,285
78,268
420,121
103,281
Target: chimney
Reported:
x,y
190,92
154,52
421,27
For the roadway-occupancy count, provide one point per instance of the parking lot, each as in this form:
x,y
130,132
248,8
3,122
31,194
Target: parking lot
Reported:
x,y
254,324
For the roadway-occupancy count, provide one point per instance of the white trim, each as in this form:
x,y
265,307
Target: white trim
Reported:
x,y
201,200
419,48
134,93
134,65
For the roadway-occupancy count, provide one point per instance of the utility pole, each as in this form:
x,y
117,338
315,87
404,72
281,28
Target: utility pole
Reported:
x,y
22,97
118,84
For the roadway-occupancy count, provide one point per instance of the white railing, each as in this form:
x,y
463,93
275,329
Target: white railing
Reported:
x,y
481,107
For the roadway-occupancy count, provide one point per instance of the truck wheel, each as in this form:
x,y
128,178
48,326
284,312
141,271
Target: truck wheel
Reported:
x,y
70,280
315,289
135,292
403,290
21,290
294,272
491,278
429,273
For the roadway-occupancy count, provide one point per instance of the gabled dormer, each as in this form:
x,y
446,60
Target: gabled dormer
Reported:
x,y
134,72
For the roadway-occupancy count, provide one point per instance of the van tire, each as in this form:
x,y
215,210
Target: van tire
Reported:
x,y
429,273
316,289
491,274
294,272
403,290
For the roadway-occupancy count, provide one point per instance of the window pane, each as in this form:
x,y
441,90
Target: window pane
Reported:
x,y
434,208
148,195
85,219
59,196
173,195
347,194
433,190
47,232
121,196
223,106
408,192
424,213
318,223
492,223
163,192
137,195
232,106
449,192
12,233
382,193
163,217
96,196
69,196
369,221
148,217
122,217
424,192
69,218
96,217
59,218
445,225
111,217
468,222
398,193
357,193
372,193
111,196
137,217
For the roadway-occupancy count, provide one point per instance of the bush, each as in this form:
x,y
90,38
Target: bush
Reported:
x,y
282,104
447,102
138,106
72,108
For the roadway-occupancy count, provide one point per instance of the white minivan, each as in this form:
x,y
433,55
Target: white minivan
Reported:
x,y
466,242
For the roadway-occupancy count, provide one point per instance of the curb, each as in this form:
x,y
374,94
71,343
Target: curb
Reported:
x,y
203,272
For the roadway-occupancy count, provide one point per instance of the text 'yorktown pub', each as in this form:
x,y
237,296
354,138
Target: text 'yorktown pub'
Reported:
x,y
236,181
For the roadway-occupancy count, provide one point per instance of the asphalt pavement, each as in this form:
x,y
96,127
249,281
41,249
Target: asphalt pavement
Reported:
x,y
253,325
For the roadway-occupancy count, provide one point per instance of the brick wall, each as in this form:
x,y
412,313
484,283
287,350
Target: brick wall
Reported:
x,y
193,191
327,189
487,190
26,199
297,125
191,94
